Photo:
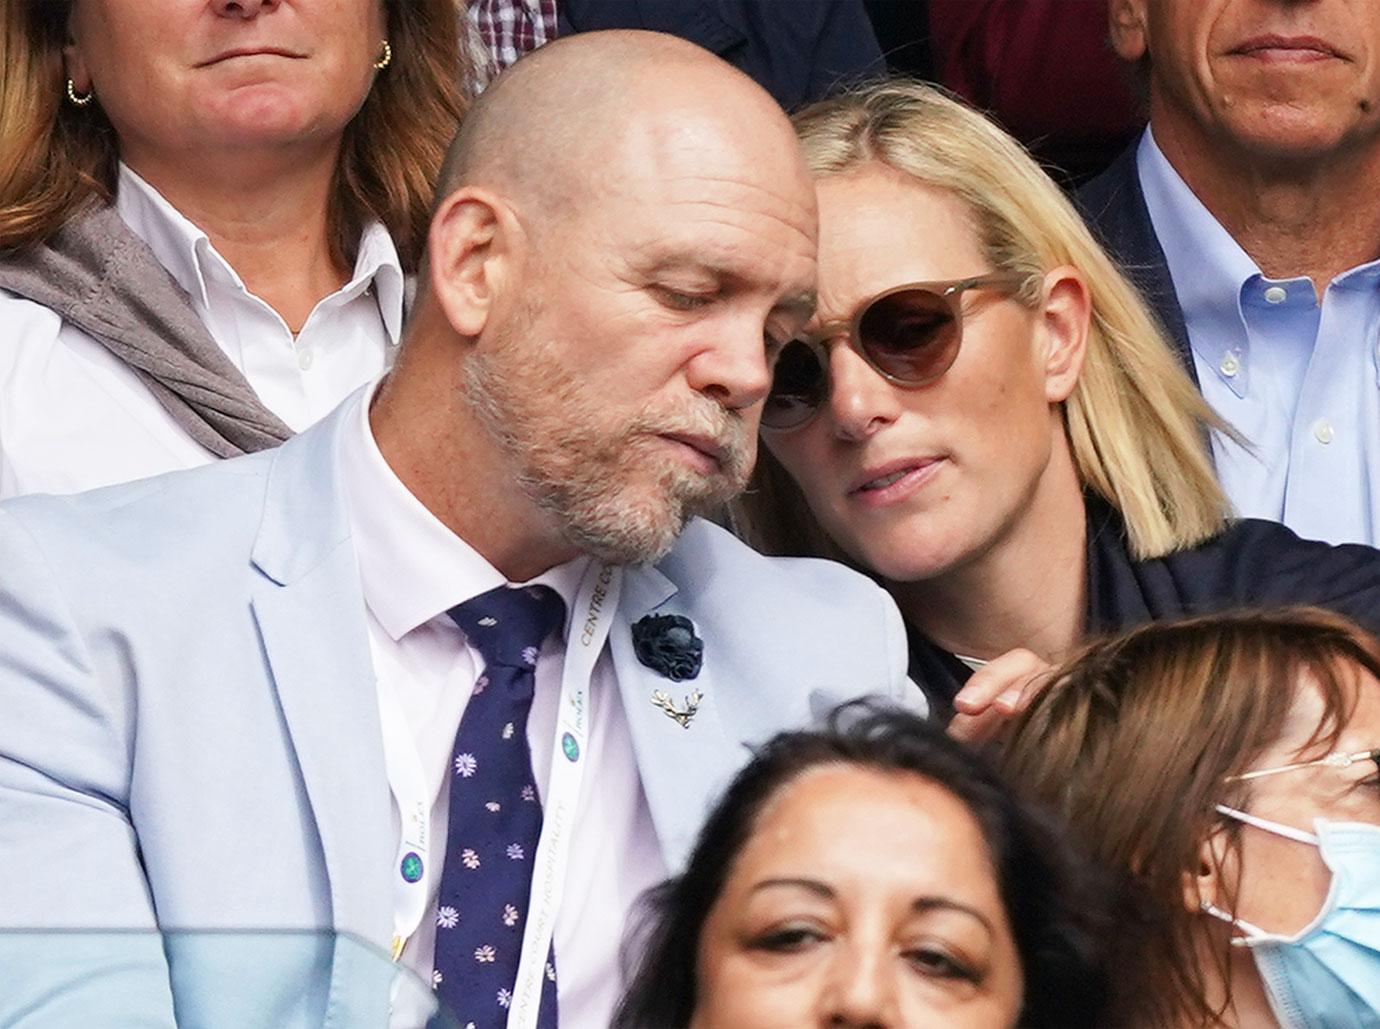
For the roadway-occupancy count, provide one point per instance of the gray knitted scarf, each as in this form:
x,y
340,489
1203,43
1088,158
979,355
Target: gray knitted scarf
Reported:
x,y
98,275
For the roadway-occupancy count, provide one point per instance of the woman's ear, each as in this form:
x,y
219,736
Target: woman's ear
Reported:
x,y
1203,886
470,250
74,65
1065,315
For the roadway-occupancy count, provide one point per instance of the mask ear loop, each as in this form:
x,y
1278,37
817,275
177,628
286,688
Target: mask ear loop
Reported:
x,y
1252,932
1287,831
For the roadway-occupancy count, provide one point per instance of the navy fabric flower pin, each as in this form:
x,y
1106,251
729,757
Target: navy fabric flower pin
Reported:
x,y
667,644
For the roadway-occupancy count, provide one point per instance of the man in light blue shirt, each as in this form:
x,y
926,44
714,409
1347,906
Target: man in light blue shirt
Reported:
x,y
1250,213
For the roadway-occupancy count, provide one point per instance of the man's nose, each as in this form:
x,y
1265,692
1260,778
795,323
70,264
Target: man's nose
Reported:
x,y
732,369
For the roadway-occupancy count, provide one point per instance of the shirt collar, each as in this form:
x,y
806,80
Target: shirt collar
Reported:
x,y
186,251
1206,265
413,568
174,240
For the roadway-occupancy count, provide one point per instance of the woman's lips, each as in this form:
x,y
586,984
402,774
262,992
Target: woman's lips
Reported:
x,y
895,482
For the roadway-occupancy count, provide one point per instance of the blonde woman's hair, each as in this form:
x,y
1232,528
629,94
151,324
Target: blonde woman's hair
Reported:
x,y
1137,426
57,159
1133,745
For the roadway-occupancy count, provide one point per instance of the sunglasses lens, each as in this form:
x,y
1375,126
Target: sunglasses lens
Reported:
x,y
912,335
798,387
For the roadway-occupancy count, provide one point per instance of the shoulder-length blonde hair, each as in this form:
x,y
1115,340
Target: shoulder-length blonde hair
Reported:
x,y
1133,744
57,158
1137,425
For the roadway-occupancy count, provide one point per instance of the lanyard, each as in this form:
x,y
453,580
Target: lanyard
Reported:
x,y
594,611
413,874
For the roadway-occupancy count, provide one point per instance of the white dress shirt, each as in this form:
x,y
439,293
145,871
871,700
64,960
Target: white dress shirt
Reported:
x,y
73,417
413,570
1298,379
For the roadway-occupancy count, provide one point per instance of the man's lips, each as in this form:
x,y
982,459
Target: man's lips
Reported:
x,y
252,51
714,451
1296,47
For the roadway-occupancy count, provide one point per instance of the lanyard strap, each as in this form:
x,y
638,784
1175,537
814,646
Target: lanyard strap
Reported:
x,y
589,629
412,874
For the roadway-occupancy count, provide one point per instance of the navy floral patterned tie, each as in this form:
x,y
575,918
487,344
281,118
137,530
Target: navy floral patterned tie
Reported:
x,y
495,816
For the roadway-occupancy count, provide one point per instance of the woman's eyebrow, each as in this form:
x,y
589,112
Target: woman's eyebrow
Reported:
x,y
819,889
924,905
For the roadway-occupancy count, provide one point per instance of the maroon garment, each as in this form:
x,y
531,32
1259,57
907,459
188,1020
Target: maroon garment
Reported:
x,y
1044,69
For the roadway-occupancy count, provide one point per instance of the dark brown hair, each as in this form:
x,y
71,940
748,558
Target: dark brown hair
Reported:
x,y
1051,898
57,158
1133,743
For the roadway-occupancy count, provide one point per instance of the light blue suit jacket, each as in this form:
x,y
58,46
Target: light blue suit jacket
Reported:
x,y
190,741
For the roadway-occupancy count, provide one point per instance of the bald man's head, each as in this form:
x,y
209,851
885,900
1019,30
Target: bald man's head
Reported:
x,y
551,128
626,235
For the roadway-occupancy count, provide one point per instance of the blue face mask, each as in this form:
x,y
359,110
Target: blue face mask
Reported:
x,y
1327,975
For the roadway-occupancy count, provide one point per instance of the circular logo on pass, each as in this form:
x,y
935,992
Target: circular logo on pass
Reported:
x,y
571,748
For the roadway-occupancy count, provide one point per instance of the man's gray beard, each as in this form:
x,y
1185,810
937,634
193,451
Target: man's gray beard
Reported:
x,y
558,468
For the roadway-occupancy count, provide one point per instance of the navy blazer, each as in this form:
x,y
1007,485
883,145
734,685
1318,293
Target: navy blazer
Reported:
x,y
799,51
1253,563
1113,204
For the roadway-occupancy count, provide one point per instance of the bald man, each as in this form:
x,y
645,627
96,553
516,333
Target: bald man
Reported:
x,y
436,689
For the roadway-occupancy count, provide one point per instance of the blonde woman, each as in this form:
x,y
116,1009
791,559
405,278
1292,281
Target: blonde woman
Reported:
x,y
984,416
207,213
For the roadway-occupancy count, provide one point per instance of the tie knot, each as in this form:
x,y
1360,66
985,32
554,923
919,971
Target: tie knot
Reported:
x,y
508,624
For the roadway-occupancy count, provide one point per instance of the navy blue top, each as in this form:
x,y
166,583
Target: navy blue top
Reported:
x,y
1252,564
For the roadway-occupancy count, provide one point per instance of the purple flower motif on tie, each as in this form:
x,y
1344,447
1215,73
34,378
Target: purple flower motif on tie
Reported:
x,y
469,858
515,851
508,731
485,954
529,655
550,971
510,915
436,979
529,793
465,765
493,806
447,917
505,997
481,684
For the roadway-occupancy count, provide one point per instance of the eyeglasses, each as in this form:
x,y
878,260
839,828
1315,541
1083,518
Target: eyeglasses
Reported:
x,y
1341,759
909,335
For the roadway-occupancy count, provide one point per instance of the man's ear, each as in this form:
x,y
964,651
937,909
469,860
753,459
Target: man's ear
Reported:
x,y
1128,30
1065,317
470,250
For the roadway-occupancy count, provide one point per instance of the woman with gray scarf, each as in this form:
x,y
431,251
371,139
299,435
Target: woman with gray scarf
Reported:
x,y
208,209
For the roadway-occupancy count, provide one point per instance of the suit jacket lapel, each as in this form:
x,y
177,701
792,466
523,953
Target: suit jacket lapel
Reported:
x,y
310,613
1114,205
682,768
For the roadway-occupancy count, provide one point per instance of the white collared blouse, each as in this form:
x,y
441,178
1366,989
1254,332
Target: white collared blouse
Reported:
x,y
73,417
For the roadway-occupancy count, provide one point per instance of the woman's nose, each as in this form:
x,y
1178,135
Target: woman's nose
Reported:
x,y
241,8
862,990
860,401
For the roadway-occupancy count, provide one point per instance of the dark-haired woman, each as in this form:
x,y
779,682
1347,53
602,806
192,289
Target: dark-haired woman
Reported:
x,y
207,213
875,873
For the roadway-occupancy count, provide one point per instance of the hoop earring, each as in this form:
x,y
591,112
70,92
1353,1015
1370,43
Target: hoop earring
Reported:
x,y
78,101
386,58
